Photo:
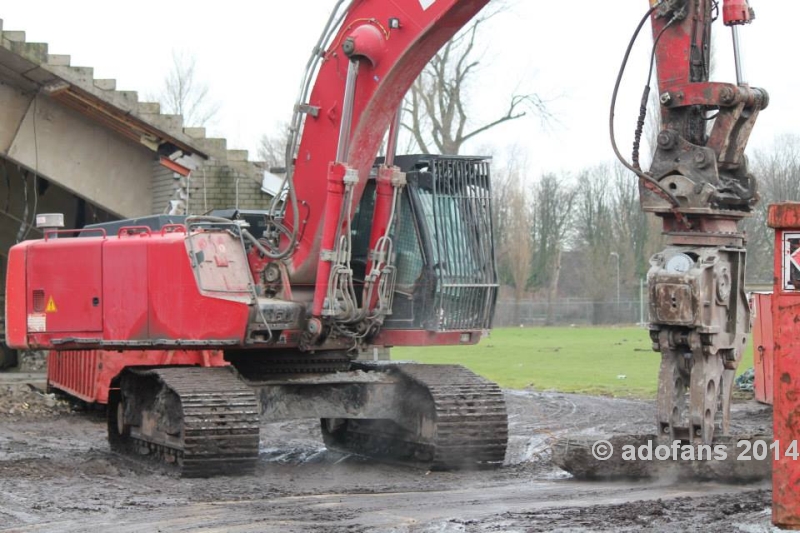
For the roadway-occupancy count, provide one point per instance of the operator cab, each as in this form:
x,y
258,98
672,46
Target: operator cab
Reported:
x,y
442,238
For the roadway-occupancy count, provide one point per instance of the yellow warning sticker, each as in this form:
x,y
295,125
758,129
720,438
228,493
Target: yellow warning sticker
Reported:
x,y
51,306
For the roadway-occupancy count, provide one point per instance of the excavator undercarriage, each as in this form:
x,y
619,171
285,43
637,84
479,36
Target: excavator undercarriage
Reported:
x,y
205,421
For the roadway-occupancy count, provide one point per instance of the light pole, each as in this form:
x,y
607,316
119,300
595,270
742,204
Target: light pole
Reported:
x,y
615,254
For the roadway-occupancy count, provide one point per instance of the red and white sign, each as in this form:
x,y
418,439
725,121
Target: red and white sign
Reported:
x,y
791,261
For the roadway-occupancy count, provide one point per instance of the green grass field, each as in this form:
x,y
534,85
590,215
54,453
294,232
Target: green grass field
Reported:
x,y
587,360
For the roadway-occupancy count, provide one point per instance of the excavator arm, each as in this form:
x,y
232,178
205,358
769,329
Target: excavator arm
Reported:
x,y
364,70
700,186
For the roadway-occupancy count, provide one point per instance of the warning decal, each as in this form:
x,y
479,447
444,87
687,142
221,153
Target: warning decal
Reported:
x,y
37,323
51,306
426,4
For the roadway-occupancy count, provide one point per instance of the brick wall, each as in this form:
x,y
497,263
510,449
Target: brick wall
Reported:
x,y
220,183
164,184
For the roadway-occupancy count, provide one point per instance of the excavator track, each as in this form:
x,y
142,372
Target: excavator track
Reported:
x,y
464,422
203,421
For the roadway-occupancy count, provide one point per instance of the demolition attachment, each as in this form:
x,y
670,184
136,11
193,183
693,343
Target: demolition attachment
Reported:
x,y
700,186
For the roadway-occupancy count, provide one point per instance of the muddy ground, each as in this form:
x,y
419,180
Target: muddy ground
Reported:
x,y
58,475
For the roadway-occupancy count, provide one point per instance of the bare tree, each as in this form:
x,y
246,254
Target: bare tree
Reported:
x,y
272,147
435,109
512,224
594,236
552,218
778,172
609,227
637,235
183,94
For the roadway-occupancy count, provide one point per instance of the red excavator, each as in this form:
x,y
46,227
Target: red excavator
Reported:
x,y
193,330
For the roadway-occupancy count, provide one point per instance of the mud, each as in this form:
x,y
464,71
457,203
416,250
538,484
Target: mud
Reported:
x,y
57,474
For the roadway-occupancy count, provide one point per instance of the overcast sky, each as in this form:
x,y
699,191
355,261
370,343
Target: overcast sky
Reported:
x,y
252,55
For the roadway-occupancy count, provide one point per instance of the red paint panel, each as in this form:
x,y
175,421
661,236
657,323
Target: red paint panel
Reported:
x,y
87,374
69,271
786,383
785,215
125,287
177,309
763,347
16,305
108,292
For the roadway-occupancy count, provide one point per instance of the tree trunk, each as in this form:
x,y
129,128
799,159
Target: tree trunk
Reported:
x,y
552,291
517,300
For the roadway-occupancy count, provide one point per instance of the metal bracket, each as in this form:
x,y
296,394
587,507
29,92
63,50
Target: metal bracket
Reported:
x,y
350,176
378,256
399,179
308,109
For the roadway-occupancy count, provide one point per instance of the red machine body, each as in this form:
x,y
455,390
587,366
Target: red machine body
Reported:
x,y
736,12
785,218
125,292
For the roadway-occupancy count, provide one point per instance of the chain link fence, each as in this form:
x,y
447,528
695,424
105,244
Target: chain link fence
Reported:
x,y
569,311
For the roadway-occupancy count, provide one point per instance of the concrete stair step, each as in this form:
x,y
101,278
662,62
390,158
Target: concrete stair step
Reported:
x,y
33,52
128,100
106,85
14,36
215,147
237,155
149,108
169,123
58,60
195,133
78,75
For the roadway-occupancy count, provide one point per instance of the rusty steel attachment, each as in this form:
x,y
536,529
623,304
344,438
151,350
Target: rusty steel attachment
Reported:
x,y
699,315
699,321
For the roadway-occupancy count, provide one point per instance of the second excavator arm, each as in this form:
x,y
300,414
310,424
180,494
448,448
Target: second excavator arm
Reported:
x,y
699,184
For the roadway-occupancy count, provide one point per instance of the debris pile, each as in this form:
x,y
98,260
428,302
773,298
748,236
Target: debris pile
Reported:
x,y
21,399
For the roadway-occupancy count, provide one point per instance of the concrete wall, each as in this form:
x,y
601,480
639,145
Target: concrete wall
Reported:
x,y
21,194
79,155
14,104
